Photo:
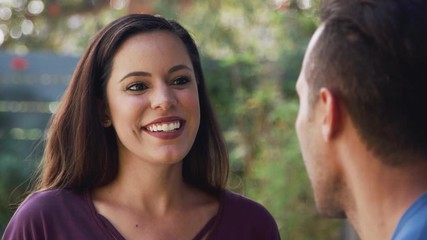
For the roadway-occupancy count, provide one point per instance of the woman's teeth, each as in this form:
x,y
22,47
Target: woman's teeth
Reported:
x,y
164,127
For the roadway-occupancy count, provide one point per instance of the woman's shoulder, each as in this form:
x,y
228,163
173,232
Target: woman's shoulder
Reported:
x,y
48,201
52,195
244,218
45,204
241,205
44,214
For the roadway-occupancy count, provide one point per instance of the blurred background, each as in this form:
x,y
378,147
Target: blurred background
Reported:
x,y
251,51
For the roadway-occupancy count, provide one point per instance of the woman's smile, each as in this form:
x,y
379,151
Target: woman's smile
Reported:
x,y
166,128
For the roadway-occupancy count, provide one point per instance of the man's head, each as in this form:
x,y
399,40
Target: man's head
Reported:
x,y
370,56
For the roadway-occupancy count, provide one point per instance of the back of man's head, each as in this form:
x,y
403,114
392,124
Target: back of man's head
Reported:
x,y
373,55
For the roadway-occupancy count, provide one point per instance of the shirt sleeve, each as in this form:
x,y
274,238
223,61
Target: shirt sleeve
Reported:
x,y
27,223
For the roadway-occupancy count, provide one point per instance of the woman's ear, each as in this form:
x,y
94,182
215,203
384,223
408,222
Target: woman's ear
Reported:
x,y
104,115
331,122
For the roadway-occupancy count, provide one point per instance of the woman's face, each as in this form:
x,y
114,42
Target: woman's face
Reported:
x,y
152,99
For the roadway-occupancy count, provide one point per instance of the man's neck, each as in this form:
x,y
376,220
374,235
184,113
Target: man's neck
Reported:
x,y
382,194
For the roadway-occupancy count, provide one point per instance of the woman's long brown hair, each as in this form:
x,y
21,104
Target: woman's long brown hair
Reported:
x,y
81,154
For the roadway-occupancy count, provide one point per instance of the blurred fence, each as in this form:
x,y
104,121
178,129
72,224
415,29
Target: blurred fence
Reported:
x,y
30,88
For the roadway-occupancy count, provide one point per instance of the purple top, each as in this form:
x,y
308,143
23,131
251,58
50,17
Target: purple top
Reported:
x,y
65,214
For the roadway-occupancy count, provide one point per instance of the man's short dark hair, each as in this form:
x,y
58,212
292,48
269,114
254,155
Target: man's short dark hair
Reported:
x,y
373,55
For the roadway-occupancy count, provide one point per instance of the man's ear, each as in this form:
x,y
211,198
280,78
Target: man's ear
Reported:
x,y
331,115
104,114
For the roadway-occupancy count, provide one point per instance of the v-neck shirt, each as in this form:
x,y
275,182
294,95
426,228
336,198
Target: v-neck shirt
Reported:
x,y
66,214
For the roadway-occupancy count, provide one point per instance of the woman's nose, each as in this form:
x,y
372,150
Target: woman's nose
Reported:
x,y
162,98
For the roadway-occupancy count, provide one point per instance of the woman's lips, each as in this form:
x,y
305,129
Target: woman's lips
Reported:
x,y
165,128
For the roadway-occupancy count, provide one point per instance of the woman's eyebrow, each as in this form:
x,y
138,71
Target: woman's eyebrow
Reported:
x,y
179,67
146,74
136,73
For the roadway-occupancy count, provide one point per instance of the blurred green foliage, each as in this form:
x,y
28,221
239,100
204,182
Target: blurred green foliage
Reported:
x,y
252,53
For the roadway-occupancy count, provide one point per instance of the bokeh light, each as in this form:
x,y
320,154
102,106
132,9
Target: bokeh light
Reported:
x,y
5,13
26,134
35,7
1,37
18,4
15,32
27,27
75,21
304,4
282,4
118,4
53,106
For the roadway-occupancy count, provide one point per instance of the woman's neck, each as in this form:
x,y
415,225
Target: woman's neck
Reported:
x,y
148,187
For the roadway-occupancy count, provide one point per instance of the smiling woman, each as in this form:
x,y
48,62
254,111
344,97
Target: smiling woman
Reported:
x,y
134,150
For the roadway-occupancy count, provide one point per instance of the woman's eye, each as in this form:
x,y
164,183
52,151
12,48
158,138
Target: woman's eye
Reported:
x,y
137,87
180,81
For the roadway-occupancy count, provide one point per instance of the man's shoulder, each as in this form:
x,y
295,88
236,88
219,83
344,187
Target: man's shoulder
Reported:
x,y
413,223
